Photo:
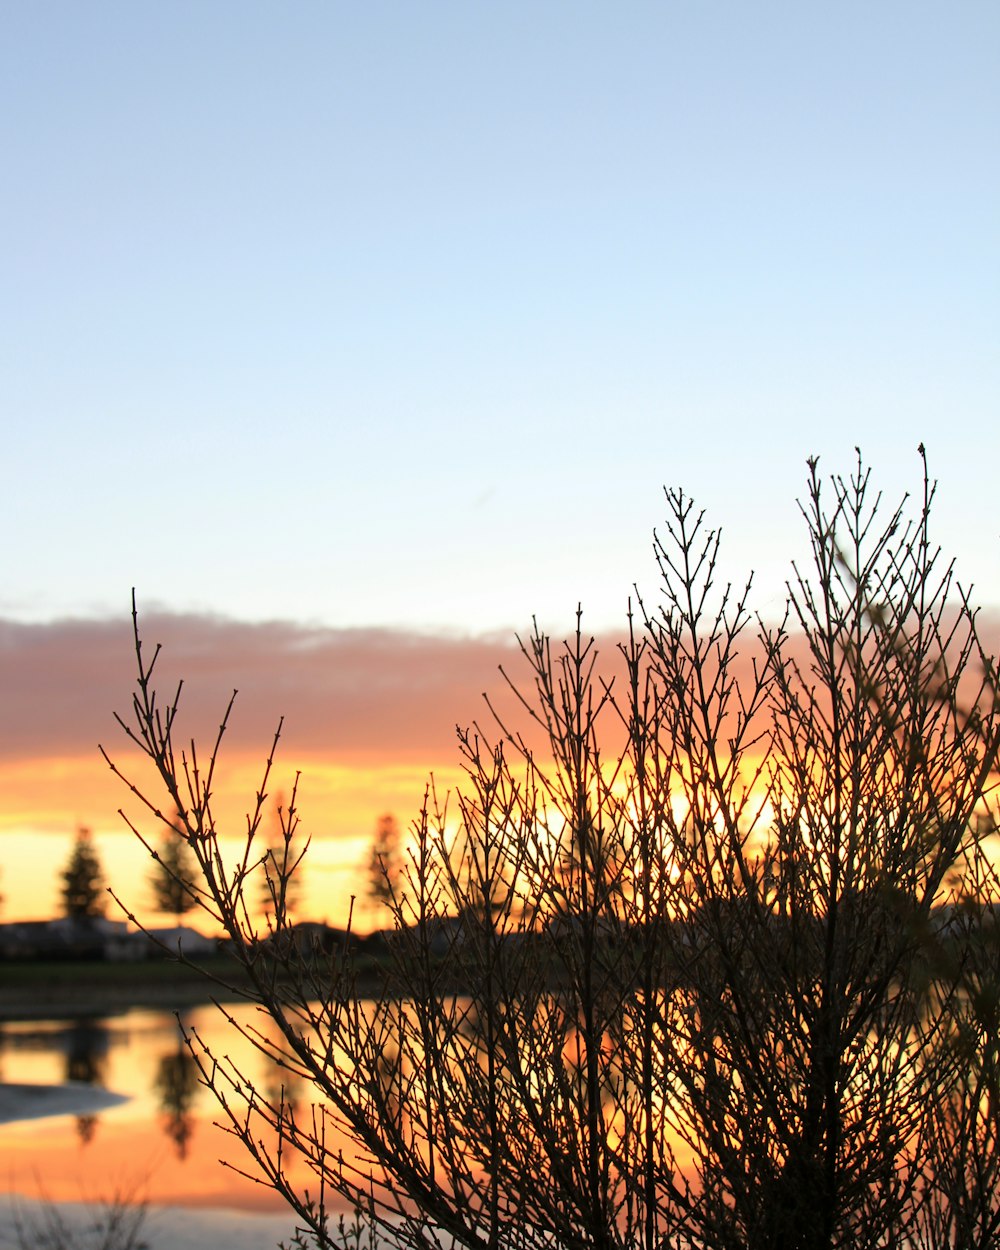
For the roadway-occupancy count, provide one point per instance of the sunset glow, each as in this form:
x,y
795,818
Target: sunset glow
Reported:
x,y
367,723
349,352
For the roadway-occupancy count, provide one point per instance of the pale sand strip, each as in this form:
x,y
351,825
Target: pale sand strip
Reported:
x,y
163,1228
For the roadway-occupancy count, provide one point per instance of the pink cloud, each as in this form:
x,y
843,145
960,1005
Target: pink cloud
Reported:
x,y
354,694
351,696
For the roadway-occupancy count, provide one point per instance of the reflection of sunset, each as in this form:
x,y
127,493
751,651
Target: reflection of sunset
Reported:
x,y
130,1147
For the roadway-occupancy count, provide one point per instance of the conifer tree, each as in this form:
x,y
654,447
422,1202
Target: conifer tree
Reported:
x,y
173,874
384,863
280,880
83,880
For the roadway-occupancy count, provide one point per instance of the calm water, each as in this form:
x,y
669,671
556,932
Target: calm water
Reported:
x,y
161,1143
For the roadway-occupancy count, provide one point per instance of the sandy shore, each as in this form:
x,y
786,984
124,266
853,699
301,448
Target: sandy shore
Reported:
x,y
83,1226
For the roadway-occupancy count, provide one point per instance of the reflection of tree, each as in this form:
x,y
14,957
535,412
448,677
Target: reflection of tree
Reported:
x,y
175,1085
87,1044
283,1088
86,1127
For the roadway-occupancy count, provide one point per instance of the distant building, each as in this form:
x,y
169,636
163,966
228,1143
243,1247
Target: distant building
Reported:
x,y
178,939
91,937
95,937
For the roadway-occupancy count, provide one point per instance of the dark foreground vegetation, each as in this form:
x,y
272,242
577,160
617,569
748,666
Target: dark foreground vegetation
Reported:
x,y
700,956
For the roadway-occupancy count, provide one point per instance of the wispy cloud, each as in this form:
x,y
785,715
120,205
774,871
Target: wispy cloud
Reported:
x,y
354,694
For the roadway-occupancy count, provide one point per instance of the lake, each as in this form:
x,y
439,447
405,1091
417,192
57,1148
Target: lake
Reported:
x,y
159,1143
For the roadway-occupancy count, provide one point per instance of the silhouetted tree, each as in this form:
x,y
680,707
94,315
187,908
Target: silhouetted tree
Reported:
x,y
83,888
174,873
385,861
280,880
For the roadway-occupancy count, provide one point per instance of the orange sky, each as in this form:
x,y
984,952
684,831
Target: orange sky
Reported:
x,y
369,715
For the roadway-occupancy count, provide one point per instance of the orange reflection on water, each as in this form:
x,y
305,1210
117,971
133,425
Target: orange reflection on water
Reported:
x,y
161,1144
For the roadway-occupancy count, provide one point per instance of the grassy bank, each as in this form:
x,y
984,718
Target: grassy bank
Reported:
x,y
58,987
40,988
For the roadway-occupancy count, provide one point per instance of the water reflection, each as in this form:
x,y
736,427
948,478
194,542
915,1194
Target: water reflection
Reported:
x,y
176,1085
162,1137
282,1088
87,1042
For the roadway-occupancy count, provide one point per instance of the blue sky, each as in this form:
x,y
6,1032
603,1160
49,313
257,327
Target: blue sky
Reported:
x,y
397,314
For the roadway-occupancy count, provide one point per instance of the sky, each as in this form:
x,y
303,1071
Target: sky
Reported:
x,y
383,326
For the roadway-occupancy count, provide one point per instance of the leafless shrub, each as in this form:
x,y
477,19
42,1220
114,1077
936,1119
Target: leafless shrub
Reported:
x,y
672,969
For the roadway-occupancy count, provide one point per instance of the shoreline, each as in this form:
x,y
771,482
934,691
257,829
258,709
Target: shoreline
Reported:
x,y
84,1224
31,990
118,1219
72,988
